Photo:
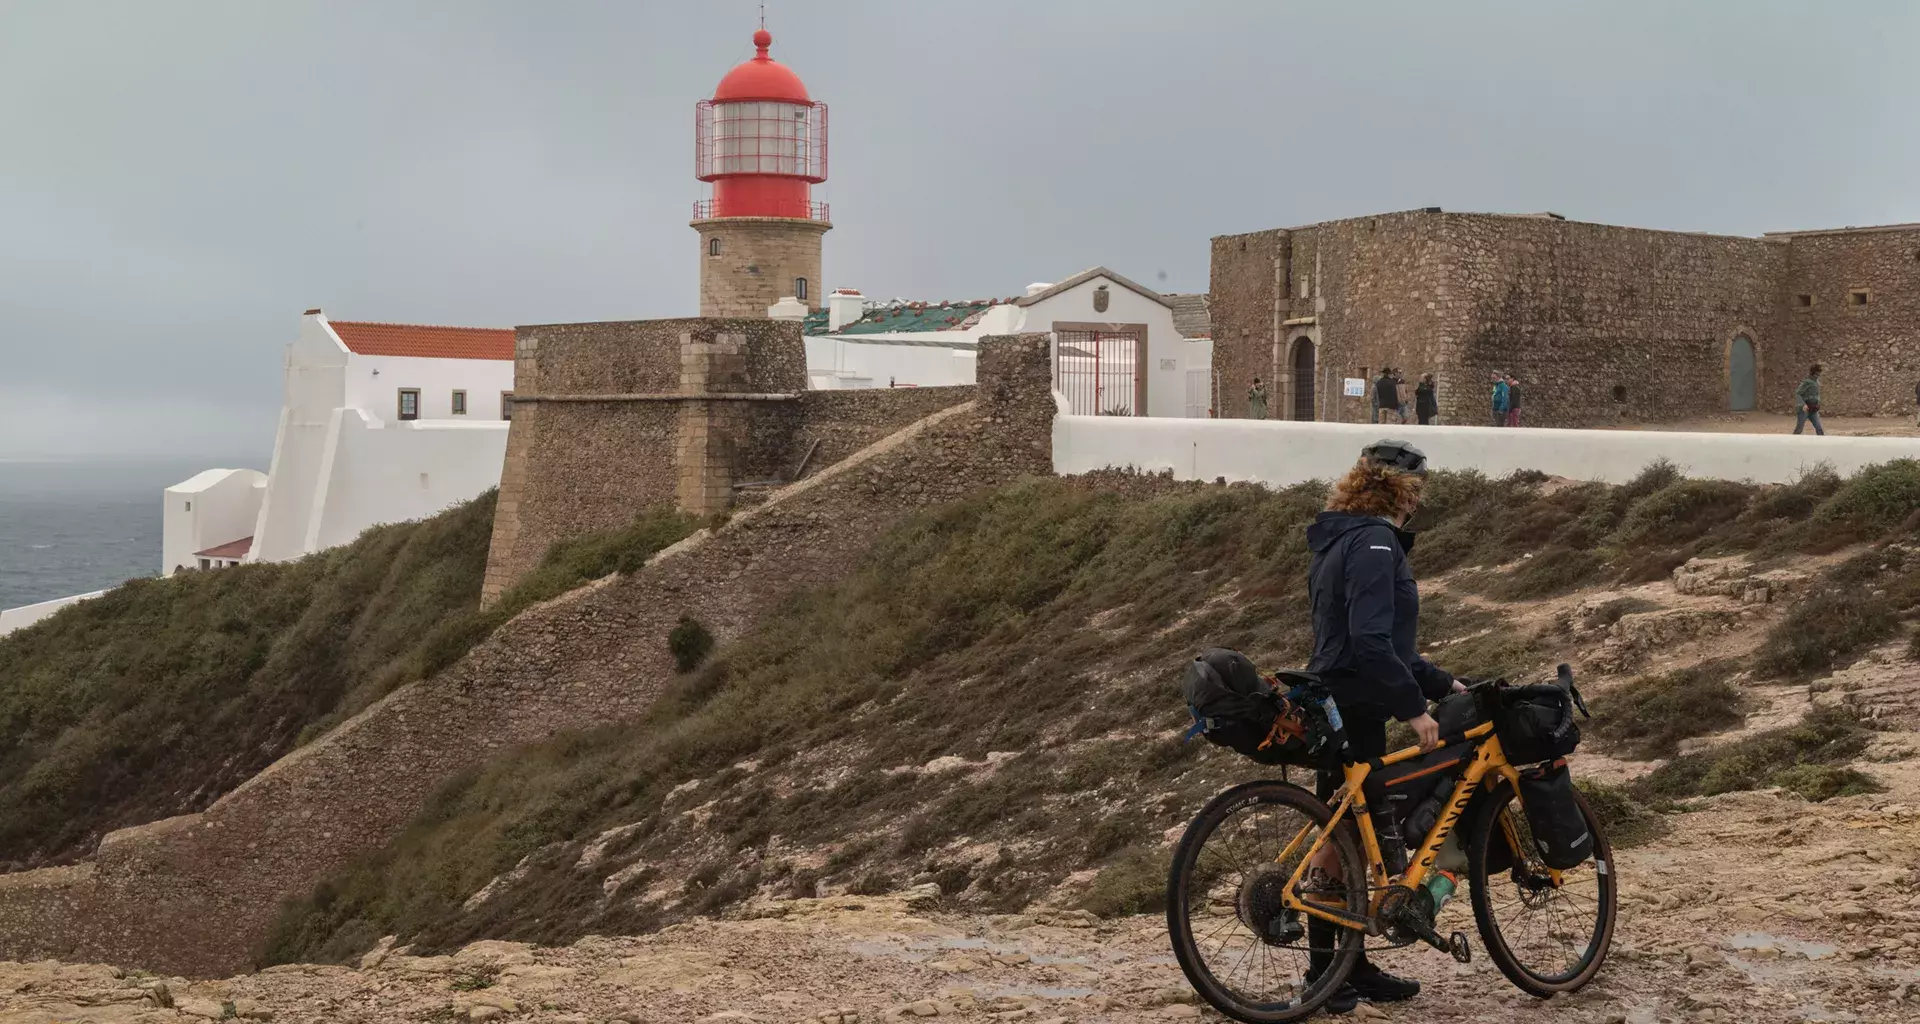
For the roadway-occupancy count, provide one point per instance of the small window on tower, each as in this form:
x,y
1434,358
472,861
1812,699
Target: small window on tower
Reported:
x,y
1803,301
713,246
1859,297
800,288
506,405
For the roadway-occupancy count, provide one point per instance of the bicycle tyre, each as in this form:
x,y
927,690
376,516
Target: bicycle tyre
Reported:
x,y
1486,830
1184,871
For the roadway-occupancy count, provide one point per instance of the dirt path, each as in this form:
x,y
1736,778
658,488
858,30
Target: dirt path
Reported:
x,y
1757,908
1901,425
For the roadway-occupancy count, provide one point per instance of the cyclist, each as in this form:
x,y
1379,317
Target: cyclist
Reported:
x,y
1366,613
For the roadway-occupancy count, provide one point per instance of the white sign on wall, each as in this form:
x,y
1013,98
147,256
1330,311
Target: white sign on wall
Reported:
x,y
1356,388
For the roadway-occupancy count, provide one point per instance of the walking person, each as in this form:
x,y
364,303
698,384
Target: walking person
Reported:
x,y
1257,400
1386,395
1806,403
1426,400
1513,400
1499,400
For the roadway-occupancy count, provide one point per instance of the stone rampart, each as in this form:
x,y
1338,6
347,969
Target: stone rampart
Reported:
x,y
196,895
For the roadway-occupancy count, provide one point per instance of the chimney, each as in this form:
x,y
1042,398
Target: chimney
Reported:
x,y
1037,287
788,308
315,311
844,306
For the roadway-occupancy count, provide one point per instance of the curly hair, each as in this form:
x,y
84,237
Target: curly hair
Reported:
x,y
1370,489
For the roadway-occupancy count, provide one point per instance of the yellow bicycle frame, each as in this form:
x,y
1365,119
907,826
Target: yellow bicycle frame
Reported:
x,y
1489,763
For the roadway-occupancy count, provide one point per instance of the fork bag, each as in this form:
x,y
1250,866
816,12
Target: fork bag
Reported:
x,y
1559,826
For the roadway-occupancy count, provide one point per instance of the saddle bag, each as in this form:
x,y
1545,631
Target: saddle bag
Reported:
x,y
1234,706
1535,723
1559,826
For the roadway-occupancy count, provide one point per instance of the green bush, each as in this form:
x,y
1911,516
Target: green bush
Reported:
x,y
1134,882
1647,719
690,643
1823,632
1681,511
1553,571
1826,739
1873,501
1626,820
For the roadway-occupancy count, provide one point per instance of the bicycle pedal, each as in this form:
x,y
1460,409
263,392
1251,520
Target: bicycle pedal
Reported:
x,y
1457,945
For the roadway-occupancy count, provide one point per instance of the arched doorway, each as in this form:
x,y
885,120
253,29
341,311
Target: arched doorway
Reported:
x,y
1302,364
1740,374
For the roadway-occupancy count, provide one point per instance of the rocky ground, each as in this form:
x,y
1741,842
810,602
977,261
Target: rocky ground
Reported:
x,y
1757,907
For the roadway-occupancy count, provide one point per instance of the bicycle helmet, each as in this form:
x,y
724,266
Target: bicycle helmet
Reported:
x,y
1401,456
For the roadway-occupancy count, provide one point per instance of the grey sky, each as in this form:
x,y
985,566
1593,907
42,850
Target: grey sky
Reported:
x,y
180,178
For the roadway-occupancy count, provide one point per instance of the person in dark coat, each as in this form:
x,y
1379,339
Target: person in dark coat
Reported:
x,y
1386,394
1513,400
1426,400
1366,619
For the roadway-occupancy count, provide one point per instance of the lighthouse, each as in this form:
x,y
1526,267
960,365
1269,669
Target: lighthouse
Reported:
x,y
761,142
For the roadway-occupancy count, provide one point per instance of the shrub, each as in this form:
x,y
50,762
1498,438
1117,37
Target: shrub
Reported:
x,y
1648,718
1827,737
1873,501
1553,571
1824,631
1614,609
1681,511
1134,882
690,643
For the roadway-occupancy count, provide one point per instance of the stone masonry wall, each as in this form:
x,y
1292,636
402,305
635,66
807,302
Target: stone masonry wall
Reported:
x,y
1600,323
759,259
1871,352
196,895
610,420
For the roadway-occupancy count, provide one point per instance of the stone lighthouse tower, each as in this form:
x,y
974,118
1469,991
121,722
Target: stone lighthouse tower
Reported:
x,y
762,143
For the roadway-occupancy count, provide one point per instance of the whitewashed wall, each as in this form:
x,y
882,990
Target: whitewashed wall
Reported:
x,y
391,472
840,363
28,614
212,507
1281,453
436,379
1166,350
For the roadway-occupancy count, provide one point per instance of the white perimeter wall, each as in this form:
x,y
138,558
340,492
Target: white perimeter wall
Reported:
x,y
28,614
392,472
1281,453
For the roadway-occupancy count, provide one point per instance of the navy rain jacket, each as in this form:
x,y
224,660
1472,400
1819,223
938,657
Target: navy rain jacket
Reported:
x,y
1366,614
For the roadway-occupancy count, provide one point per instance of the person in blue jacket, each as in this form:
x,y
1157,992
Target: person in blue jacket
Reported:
x,y
1499,400
1366,619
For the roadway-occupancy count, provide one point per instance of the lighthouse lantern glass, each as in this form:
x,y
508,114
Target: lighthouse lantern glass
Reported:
x,y
761,137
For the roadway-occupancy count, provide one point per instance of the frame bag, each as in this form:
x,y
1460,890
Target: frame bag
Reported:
x,y
1560,831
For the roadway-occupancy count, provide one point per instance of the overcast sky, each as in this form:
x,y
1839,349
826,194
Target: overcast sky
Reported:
x,y
180,178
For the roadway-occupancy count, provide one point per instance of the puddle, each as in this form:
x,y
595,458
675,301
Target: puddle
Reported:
x,y
1793,947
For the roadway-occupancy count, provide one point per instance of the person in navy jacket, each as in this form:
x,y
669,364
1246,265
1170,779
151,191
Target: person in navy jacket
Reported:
x,y
1366,620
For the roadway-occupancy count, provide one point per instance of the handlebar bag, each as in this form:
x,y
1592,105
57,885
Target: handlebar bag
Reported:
x,y
1535,723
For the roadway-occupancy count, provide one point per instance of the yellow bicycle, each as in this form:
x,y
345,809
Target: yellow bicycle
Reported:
x,y
1263,858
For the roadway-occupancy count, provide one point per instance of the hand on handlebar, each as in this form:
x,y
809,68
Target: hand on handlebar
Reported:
x,y
1459,687
1426,730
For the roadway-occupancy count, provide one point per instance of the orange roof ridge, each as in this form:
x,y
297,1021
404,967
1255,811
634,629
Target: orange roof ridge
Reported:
x,y
423,341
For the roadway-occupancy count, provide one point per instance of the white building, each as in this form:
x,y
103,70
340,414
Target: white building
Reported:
x,y
208,519
381,423
1117,348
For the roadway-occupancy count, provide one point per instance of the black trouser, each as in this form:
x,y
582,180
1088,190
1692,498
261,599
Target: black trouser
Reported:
x,y
1366,737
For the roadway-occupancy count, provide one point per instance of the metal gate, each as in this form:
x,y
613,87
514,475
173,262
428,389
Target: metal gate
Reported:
x,y
1098,372
1740,373
1303,379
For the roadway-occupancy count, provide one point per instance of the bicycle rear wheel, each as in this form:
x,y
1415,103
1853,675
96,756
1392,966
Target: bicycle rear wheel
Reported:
x,y
1545,939
1243,951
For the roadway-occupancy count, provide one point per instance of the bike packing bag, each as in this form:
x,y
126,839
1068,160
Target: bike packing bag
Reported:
x,y
1535,723
1395,791
1559,827
1235,707
1458,713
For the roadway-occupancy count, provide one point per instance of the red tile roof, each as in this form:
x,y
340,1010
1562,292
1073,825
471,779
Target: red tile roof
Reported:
x,y
231,549
371,339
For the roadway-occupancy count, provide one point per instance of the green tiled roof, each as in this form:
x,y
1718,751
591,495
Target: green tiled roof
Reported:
x,y
914,316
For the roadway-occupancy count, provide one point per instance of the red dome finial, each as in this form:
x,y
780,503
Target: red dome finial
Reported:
x,y
761,40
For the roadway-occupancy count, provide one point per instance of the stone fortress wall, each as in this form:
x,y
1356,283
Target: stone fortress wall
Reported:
x,y
1600,323
196,894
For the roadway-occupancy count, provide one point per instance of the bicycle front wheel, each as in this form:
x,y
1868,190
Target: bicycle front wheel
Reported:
x,y
1545,938
1248,955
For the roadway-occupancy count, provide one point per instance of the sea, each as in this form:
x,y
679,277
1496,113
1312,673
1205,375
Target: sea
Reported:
x,y
77,526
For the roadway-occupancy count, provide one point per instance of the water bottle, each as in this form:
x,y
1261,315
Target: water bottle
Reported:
x,y
1439,888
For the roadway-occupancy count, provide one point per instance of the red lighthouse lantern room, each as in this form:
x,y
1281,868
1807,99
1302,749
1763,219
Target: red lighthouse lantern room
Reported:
x,y
761,141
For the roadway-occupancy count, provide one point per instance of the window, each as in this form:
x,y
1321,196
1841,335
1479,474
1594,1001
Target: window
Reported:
x,y
1620,392
1859,296
713,246
459,403
800,288
189,506
1803,301
506,405
409,403
205,564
